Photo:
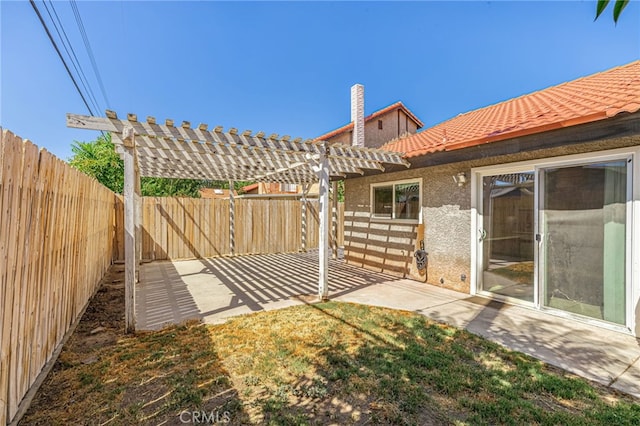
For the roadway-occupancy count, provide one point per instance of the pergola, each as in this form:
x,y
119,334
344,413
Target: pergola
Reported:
x,y
152,149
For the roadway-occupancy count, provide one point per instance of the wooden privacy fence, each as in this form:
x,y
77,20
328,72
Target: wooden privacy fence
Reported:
x,y
180,228
56,243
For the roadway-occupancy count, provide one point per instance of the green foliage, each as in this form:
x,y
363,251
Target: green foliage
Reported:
x,y
618,7
165,187
341,191
99,159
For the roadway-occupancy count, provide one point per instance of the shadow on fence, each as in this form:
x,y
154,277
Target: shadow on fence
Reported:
x,y
381,246
183,228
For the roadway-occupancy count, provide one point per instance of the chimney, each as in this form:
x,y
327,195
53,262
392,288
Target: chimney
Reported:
x,y
357,114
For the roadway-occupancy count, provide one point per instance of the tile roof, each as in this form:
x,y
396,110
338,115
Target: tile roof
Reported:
x,y
587,99
392,107
250,187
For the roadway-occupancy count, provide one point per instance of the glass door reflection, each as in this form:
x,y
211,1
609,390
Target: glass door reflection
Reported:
x,y
507,235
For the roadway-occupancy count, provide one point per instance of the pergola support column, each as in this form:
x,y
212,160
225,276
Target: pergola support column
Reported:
x,y
323,245
232,219
334,220
137,194
303,227
131,211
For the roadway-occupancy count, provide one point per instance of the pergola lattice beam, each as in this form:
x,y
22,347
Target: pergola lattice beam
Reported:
x,y
230,138
223,157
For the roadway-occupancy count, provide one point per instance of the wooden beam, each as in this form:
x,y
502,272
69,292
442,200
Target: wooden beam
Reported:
x,y
323,244
130,263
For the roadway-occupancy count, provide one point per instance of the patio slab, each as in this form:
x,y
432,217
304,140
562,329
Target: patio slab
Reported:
x,y
213,290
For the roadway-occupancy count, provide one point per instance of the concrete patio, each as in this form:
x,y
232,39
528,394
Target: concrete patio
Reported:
x,y
217,288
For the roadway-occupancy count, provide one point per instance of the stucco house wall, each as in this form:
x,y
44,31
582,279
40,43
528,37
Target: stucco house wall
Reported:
x,y
446,213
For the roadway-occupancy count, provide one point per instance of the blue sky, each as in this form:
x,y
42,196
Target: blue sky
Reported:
x,y
286,67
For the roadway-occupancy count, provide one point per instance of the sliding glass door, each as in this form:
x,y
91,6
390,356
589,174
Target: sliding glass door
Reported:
x,y
583,224
506,235
556,235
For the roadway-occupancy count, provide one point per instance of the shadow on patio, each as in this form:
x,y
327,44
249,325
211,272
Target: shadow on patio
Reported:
x,y
216,288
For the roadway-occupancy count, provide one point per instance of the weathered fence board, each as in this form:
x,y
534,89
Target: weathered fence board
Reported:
x,y
56,242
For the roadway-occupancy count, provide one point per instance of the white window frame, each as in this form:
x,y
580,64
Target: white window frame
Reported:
x,y
393,184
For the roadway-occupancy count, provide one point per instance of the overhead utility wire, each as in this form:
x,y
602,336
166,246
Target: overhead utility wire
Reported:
x,y
71,54
87,45
79,70
55,46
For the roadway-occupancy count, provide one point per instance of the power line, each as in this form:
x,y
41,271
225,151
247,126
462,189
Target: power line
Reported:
x,y
71,54
87,45
55,46
81,72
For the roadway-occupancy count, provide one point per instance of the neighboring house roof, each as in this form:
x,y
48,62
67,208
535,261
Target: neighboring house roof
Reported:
x,y
587,99
250,187
348,127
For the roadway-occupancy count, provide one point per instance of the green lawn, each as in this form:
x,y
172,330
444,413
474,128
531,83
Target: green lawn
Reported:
x,y
330,363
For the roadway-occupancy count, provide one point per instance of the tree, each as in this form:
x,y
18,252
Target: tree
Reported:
x,y
99,159
618,7
165,187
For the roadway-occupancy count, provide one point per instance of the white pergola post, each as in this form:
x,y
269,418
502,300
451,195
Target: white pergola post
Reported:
x,y
137,194
323,244
232,219
303,230
334,220
131,182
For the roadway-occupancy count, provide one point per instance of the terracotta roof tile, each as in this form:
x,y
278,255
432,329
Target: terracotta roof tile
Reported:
x,y
392,107
595,97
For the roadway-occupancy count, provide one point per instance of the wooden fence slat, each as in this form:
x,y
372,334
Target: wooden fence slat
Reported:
x,y
29,168
10,158
44,176
12,270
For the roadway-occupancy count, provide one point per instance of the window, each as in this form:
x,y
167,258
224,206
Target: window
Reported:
x,y
380,124
396,200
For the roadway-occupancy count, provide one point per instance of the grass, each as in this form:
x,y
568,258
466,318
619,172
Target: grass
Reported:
x,y
344,363
141,379
330,363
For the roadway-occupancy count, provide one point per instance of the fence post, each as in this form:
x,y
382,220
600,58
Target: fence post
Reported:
x,y
130,219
